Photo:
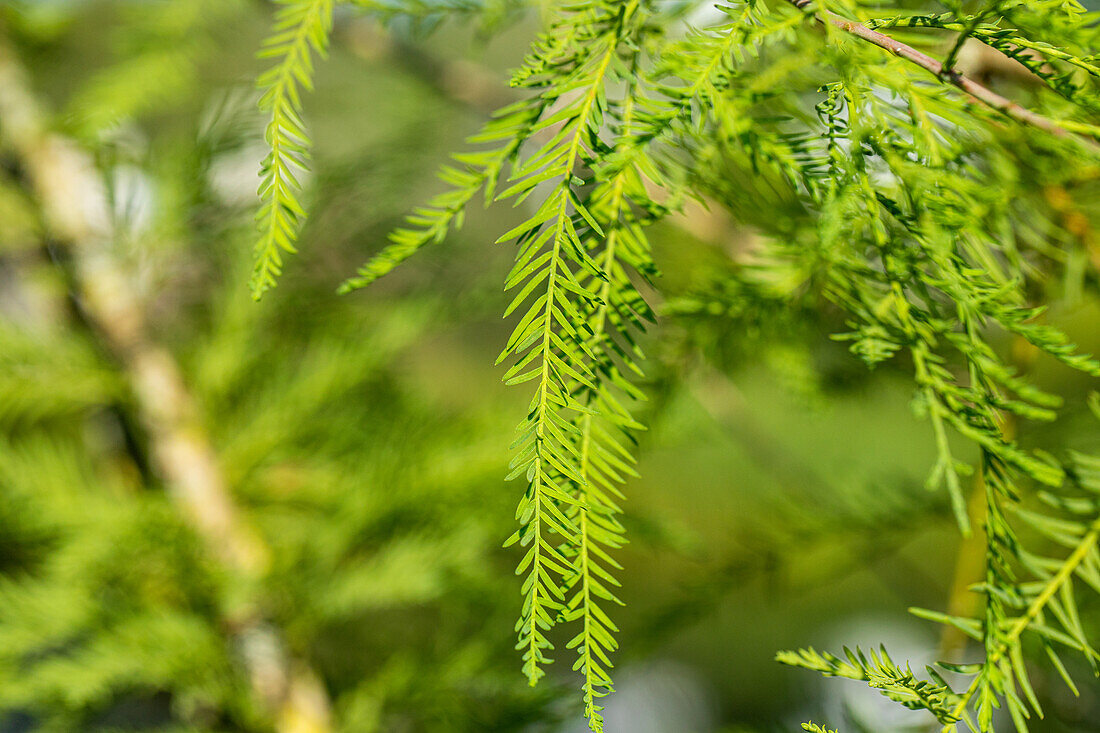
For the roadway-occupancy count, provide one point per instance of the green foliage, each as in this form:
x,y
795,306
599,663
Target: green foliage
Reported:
x,y
116,618
305,25
1041,602
902,210
93,587
1039,599
552,344
158,53
931,233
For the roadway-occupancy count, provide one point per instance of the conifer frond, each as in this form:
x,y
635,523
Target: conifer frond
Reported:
x,y
550,343
877,182
580,316
305,25
880,672
301,28
950,75
1042,603
692,75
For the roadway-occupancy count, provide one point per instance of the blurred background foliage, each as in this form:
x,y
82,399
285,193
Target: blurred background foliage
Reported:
x,y
780,504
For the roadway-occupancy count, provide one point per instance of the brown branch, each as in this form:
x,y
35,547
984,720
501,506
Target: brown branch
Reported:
x,y
76,211
951,76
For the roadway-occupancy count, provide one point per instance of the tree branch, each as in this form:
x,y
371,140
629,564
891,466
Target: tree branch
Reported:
x,y
956,79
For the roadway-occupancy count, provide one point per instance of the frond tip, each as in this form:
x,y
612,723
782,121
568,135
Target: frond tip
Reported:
x,y
300,25
813,727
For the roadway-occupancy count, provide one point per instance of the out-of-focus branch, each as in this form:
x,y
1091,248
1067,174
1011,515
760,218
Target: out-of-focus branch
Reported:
x,y
75,210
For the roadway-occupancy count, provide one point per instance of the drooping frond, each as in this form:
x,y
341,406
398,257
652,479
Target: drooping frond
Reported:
x,y
1042,603
918,270
1026,594
301,28
580,317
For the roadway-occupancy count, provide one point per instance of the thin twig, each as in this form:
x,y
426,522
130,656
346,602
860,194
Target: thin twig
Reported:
x,y
951,76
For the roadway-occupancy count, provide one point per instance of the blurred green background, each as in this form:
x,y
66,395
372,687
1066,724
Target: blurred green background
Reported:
x,y
364,438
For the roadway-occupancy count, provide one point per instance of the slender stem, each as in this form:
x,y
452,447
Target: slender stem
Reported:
x,y
954,78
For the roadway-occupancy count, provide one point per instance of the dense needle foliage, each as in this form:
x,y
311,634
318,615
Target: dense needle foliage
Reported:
x,y
903,177
223,515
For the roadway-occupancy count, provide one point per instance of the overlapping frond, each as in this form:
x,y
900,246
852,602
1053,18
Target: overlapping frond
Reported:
x,y
579,317
1058,67
1029,593
555,276
936,285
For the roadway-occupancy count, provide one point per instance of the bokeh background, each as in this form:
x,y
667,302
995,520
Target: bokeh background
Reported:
x,y
363,439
